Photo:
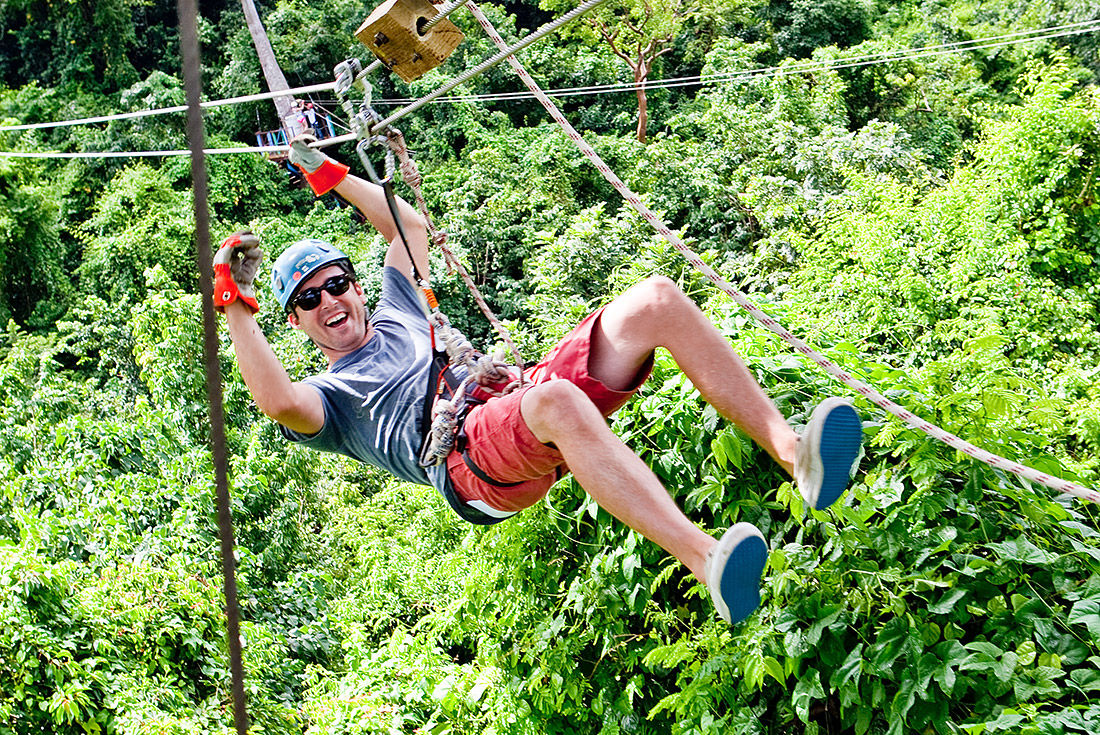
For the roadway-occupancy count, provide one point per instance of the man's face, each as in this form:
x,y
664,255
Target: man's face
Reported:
x,y
339,323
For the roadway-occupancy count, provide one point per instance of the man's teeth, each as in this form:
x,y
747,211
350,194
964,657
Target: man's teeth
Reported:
x,y
336,320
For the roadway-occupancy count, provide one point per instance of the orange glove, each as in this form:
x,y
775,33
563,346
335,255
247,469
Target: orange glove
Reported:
x,y
321,172
235,266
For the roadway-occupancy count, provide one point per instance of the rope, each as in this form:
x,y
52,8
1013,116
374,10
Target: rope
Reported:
x,y
411,175
486,376
829,366
192,75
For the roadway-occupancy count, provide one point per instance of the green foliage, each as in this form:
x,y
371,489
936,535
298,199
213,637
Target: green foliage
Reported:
x,y
33,261
1048,156
931,221
573,270
168,348
801,26
95,36
112,599
141,220
974,258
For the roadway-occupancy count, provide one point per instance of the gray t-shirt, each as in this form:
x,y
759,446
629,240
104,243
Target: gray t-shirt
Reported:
x,y
374,397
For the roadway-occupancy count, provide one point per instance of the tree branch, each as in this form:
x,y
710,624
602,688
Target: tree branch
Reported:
x,y
611,39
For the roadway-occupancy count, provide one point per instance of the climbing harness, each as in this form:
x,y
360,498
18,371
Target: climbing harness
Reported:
x,y
448,397
916,422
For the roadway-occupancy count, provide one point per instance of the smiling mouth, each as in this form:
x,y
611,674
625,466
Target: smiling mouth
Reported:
x,y
337,321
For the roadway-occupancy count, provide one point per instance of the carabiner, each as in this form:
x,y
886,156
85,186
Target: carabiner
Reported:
x,y
389,168
347,74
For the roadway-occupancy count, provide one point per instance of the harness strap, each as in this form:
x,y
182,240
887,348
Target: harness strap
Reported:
x,y
440,370
442,380
480,474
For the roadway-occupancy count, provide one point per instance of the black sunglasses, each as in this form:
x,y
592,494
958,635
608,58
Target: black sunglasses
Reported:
x,y
310,299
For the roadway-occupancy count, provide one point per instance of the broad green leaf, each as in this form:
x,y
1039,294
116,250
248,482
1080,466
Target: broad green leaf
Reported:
x,y
1087,613
1021,550
849,670
773,668
805,691
948,601
1087,679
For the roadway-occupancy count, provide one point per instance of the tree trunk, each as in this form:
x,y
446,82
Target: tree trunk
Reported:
x,y
640,74
276,80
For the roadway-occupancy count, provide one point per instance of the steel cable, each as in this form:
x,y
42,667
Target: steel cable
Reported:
x,y
989,42
192,75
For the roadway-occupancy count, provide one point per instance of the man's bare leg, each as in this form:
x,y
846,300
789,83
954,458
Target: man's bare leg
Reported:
x,y
730,567
616,478
655,313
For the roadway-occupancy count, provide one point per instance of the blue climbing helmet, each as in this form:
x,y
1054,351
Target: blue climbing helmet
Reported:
x,y
299,261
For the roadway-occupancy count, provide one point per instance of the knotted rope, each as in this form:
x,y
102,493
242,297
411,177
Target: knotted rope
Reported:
x,y
411,175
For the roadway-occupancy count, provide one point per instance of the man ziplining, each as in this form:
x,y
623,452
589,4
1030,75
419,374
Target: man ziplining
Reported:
x,y
370,404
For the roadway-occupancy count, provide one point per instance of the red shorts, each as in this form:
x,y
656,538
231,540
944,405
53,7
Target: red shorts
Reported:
x,y
502,447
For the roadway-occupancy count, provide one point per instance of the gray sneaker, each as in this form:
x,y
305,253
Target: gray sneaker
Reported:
x,y
733,569
826,453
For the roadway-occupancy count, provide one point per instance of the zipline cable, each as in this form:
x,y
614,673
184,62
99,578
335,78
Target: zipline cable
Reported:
x,y
711,79
437,97
382,125
258,97
832,368
445,11
192,75
1034,34
141,154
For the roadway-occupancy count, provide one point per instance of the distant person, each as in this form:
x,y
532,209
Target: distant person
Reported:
x,y
312,121
296,122
370,404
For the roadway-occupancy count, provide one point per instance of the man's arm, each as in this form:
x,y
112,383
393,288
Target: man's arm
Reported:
x,y
296,406
324,174
369,199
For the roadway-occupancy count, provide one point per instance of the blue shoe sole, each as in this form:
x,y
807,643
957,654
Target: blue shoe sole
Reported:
x,y
841,438
740,585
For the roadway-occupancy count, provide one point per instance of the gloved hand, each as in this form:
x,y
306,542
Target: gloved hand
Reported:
x,y
321,172
235,266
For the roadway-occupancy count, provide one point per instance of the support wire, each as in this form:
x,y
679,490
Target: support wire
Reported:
x,y
192,75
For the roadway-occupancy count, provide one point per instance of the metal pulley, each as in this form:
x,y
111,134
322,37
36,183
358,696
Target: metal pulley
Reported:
x,y
395,33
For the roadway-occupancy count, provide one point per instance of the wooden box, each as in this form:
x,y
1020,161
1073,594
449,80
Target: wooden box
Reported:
x,y
392,32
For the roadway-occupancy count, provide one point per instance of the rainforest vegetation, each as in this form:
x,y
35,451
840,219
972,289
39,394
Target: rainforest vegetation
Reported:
x,y
922,207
